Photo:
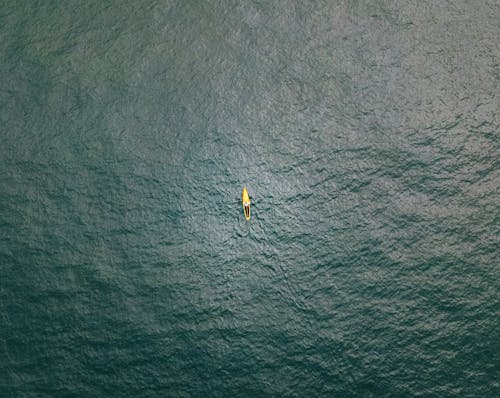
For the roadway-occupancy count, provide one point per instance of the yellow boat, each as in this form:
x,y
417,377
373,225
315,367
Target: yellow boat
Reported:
x,y
246,203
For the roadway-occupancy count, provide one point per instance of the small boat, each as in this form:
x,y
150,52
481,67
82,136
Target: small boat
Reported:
x,y
246,203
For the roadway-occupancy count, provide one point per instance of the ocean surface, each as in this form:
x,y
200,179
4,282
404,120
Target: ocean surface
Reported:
x,y
368,135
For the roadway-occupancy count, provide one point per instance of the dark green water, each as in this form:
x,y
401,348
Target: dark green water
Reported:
x,y
367,133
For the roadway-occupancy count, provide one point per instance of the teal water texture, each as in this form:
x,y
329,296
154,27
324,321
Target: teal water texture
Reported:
x,y
367,135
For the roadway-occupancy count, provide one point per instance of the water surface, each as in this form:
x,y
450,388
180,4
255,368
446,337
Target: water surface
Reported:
x,y
367,135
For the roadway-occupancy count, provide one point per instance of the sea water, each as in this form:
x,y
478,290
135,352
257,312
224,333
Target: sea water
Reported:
x,y
367,133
